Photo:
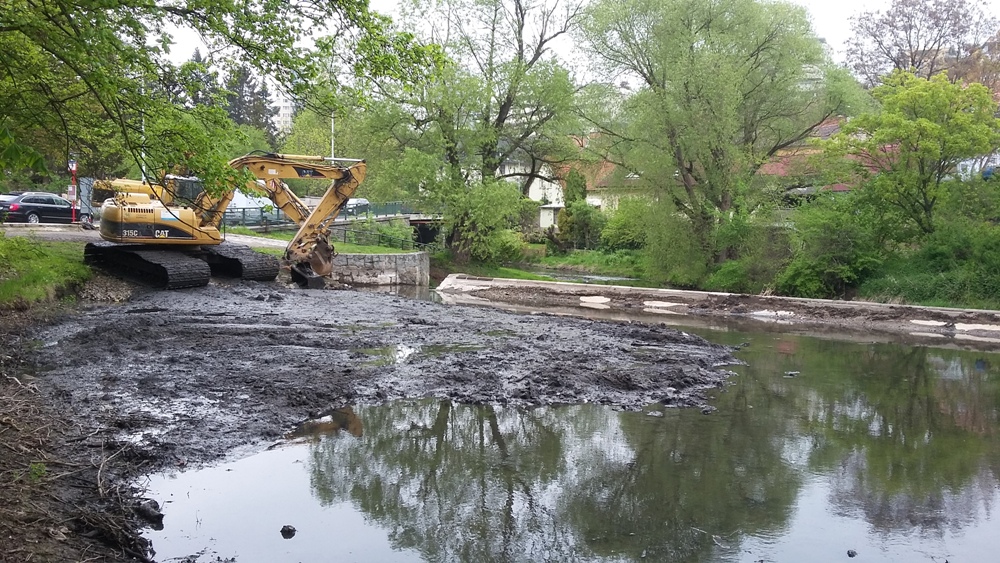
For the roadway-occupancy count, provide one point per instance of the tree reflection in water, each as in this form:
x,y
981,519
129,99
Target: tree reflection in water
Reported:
x,y
905,437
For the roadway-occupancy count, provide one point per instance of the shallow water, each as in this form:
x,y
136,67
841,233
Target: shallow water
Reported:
x,y
818,447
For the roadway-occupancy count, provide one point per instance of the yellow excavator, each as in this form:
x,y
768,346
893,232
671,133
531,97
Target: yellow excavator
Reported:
x,y
169,233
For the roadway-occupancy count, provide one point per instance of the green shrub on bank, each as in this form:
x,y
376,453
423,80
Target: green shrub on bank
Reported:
x,y
580,226
503,247
32,271
836,246
957,265
626,227
764,250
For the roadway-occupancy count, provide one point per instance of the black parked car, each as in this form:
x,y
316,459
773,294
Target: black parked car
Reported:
x,y
35,207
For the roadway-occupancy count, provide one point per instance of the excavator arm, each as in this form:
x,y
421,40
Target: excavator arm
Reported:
x,y
309,252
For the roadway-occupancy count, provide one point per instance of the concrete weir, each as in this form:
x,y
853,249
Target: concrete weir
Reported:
x,y
382,269
854,320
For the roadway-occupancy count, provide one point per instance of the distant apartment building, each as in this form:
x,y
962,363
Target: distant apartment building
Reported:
x,y
286,113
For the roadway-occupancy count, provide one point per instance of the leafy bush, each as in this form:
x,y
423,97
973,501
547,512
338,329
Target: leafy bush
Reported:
x,y
502,247
957,265
737,276
974,199
674,253
580,225
481,222
626,227
833,252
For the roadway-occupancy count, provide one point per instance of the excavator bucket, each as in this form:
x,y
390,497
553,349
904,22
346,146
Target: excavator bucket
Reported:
x,y
309,271
321,259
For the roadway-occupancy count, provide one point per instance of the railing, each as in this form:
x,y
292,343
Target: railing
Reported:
x,y
255,216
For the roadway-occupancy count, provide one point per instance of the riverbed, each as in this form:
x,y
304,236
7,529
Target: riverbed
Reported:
x,y
525,436
818,448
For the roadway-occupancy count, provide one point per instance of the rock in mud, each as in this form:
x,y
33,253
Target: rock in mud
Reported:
x,y
149,511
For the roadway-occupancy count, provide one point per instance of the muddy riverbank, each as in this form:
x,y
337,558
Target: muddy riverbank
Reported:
x,y
186,378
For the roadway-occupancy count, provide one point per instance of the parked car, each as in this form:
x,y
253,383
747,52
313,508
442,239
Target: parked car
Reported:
x,y
35,207
356,206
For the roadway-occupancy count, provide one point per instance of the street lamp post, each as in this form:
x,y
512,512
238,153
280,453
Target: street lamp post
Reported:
x,y
72,188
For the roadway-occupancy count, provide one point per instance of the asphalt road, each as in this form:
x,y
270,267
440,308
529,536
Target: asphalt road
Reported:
x,y
78,234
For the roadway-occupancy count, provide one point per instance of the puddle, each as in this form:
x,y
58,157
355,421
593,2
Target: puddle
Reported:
x,y
502,333
799,468
401,353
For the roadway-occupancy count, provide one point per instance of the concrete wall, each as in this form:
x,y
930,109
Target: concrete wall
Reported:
x,y
383,269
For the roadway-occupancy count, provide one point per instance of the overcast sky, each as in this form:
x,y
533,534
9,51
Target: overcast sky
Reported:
x,y
830,20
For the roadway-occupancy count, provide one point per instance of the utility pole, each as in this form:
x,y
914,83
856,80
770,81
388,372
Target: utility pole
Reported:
x,y
332,134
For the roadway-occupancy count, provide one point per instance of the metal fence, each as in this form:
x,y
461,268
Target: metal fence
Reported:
x,y
256,217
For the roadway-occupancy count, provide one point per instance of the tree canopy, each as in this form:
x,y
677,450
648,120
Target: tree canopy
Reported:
x,y
715,88
924,37
923,129
88,73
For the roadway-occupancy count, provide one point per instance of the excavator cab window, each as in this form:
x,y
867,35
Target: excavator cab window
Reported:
x,y
100,194
185,189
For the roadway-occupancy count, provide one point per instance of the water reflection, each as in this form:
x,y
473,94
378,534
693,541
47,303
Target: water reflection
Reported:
x,y
418,292
327,423
888,450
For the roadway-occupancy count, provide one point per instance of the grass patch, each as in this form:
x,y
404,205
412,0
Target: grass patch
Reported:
x,y
501,272
341,247
33,271
442,265
624,264
621,263
246,231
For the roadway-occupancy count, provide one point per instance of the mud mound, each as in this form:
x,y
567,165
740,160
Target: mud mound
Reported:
x,y
193,373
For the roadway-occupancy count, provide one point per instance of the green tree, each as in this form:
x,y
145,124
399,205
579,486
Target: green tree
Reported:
x,y
93,61
482,223
907,150
720,86
249,102
575,188
500,110
580,225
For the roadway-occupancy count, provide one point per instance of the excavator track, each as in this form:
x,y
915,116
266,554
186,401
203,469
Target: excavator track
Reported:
x,y
176,269
168,269
239,261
